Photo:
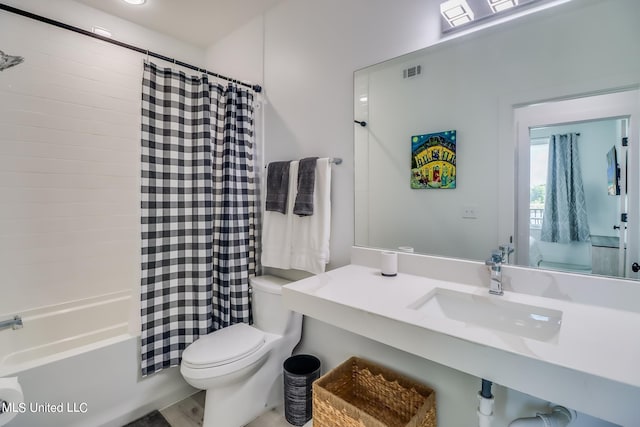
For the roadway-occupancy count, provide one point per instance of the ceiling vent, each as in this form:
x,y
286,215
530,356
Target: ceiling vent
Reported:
x,y
414,71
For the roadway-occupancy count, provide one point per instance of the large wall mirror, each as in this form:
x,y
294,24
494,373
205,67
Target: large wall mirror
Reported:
x,y
568,76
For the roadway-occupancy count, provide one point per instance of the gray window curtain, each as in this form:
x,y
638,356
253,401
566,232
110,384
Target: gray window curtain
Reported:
x,y
199,211
565,210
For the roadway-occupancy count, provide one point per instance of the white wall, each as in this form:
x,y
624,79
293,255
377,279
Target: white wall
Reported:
x,y
70,156
311,50
245,64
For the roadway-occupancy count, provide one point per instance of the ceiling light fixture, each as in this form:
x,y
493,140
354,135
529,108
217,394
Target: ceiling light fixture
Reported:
x,y
456,12
500,5
136,2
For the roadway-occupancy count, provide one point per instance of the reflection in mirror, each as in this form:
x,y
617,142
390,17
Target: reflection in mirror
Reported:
x,y
474,84
570,160
577,210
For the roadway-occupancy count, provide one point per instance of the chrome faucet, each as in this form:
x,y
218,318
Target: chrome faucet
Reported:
x,y
506,250
495,264
15,323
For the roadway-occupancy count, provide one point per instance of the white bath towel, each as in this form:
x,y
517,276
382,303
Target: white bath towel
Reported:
x,y
310,234
277,228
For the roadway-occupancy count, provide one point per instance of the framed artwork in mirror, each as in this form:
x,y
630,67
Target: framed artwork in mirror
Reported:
x,y
433,160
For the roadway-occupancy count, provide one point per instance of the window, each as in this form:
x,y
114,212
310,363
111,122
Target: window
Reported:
x,y
539,156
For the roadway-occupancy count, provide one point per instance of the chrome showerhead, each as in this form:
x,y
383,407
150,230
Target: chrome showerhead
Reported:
x,y
7,61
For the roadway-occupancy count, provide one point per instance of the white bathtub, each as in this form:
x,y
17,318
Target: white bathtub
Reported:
x,y
55,332
81,355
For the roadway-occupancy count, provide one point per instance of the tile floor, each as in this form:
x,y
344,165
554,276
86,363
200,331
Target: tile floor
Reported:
x,y
189,413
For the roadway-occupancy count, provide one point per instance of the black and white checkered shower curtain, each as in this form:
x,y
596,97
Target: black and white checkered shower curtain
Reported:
x,y
199,211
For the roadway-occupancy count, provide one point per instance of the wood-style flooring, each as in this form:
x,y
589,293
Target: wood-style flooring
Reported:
x,y
190,411
186,413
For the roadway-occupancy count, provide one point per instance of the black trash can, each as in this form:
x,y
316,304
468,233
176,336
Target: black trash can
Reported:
x,y
300,371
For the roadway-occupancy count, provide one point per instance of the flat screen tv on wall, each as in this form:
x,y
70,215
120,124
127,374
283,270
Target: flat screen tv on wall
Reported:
x,y
613,173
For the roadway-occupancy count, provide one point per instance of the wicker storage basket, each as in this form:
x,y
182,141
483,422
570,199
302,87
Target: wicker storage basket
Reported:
x,y
359,393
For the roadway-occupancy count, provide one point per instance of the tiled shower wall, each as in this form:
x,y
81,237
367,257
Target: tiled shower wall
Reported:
x,y
69,161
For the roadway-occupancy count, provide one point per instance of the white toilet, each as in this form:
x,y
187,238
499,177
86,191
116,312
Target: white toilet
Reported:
x,y
240,366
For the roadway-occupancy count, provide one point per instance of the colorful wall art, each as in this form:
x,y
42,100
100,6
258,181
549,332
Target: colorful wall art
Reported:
x,y
433,160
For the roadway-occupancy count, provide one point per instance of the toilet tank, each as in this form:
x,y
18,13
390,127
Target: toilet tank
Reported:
x,y
269,314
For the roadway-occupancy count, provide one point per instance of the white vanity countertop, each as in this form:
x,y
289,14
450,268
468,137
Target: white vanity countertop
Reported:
x,y
596,351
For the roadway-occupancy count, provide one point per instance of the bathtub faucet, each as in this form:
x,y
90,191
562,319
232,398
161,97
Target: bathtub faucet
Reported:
x,y
15,323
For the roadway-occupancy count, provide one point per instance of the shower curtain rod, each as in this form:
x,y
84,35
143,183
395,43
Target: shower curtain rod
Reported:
x,y
255,88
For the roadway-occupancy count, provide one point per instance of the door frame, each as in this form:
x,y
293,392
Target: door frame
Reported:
x,y
615,105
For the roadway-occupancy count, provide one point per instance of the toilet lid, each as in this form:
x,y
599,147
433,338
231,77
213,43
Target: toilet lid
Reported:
x,y
223,346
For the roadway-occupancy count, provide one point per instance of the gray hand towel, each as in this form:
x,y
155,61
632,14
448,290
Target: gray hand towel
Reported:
x,y
277,186
303,205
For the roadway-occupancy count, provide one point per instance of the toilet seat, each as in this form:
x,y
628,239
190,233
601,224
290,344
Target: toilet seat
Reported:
x,y
223,346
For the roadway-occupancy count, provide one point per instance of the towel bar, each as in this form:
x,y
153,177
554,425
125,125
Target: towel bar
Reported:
x,y
334,160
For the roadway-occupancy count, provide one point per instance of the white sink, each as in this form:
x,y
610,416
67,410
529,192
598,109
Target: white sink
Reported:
x,y
491,312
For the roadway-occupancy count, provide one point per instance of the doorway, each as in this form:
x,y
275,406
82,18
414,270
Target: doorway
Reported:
x,y
606,144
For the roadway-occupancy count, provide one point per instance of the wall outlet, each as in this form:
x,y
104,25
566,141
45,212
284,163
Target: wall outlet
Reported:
x,y
469,212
